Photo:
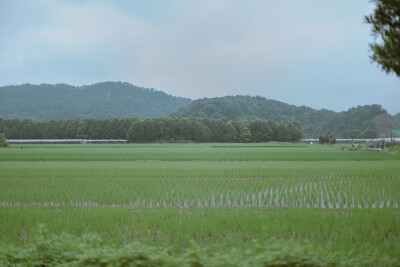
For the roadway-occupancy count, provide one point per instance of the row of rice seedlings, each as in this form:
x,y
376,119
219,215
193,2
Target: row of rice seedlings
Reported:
x,y
324,192
179,152
206,169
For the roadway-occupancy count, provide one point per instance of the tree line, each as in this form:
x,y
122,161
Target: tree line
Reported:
x,y
166,129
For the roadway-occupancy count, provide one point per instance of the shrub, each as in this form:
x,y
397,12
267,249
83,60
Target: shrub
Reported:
x,y
395,149
3,140
327,139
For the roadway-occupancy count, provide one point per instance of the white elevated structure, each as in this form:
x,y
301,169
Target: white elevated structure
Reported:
x,y
360,140
66,141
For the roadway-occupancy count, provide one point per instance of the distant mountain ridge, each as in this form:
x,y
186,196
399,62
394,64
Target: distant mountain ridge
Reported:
x,y
313,122
123,100
100,100
243,107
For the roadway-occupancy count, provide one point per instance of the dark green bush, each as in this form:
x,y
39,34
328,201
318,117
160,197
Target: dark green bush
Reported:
x,y
3,140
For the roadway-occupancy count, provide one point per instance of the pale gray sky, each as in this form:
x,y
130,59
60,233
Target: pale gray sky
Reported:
x,y
309,52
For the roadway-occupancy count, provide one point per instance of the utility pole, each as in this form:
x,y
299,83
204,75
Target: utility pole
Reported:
x,y
329,136
391,135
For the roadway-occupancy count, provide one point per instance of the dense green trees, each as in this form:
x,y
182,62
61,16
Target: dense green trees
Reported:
x,y
370,134
205,130
385,22
312,122
352,134
357,134
66,129
167,129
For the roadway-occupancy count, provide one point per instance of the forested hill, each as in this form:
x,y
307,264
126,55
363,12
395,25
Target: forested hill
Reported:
x,y
397,117
123,100
357,122
100,100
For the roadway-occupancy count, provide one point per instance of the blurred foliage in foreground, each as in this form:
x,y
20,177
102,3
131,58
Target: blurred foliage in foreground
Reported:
x,y
89,250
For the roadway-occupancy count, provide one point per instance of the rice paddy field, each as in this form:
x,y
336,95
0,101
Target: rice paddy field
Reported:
x,y
267,204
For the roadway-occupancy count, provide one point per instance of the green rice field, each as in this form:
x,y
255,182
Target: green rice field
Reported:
x,y
207,204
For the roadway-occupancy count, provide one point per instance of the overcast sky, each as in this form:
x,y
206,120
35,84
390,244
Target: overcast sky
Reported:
x,y
308,52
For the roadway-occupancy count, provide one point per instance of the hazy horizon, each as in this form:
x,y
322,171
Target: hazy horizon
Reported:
x,y
309,53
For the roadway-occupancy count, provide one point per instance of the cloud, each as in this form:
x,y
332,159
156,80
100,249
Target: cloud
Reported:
x,y
205,53
289,50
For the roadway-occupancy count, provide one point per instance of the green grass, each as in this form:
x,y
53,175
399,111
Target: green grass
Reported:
x,y
187,152
221,229
221,197
90,250
197,169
